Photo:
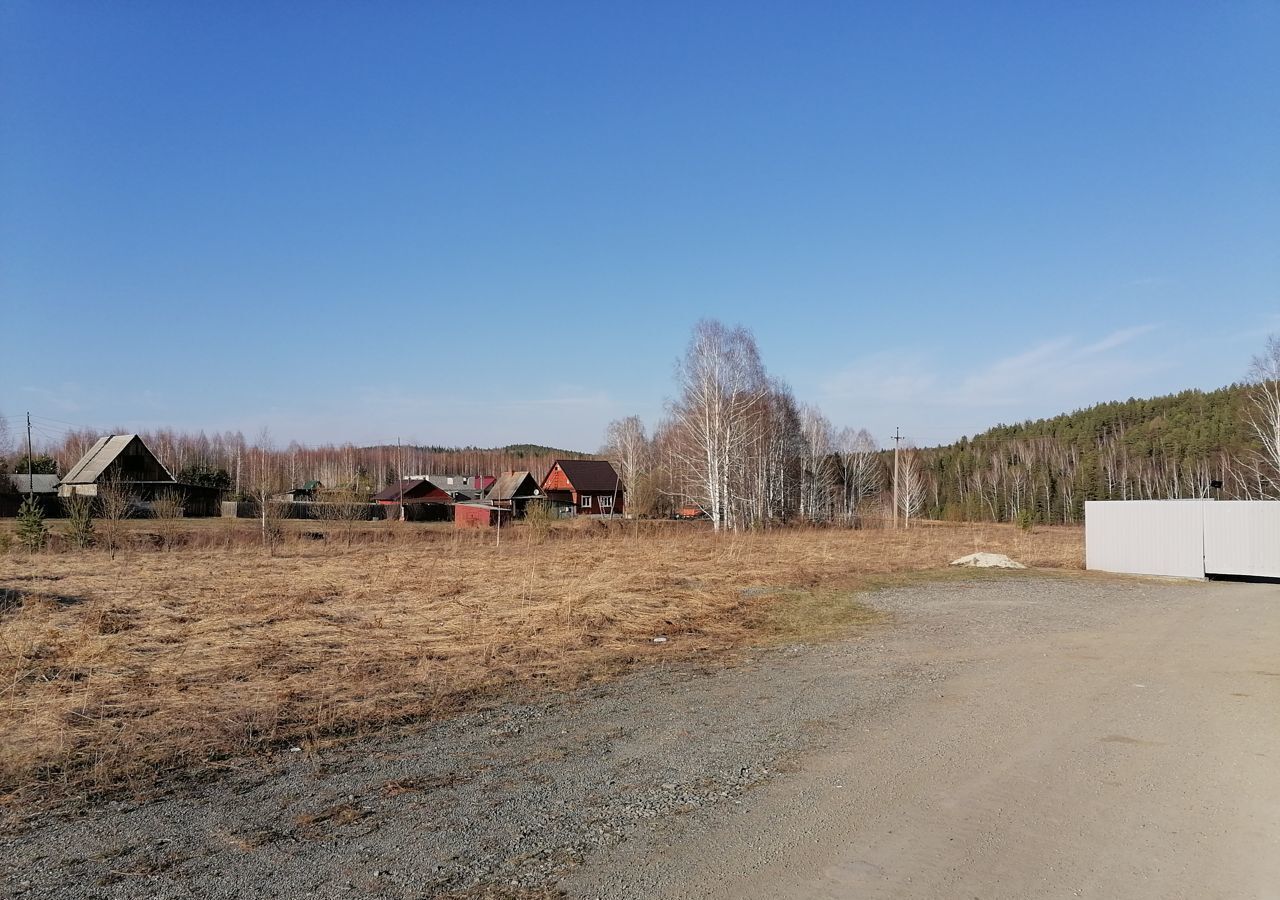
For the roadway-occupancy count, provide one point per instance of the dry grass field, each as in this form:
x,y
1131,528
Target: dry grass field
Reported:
x,y
121,671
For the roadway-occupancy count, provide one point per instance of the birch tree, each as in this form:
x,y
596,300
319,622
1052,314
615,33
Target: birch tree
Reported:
x,y
268,476
912,487
861,473
1264,415
628,447
722,384
817,474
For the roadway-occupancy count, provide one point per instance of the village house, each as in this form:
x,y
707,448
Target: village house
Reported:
x,y
460,487
17,486
513,491
306,493
585,487
124,459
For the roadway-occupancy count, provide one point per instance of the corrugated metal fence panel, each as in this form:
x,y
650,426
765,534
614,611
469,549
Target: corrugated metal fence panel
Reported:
x,y
1242,537
1145,537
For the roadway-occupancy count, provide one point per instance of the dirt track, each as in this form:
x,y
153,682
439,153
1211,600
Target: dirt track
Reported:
x,y
1128,750
1009,736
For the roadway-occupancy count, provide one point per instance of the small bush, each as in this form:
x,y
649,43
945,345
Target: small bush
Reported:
x,y
79,521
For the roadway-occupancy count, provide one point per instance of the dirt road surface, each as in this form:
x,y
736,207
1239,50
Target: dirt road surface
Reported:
x,y
997,736
1131,752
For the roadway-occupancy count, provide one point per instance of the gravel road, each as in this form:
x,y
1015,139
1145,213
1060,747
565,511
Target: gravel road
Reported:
x,y
1008,736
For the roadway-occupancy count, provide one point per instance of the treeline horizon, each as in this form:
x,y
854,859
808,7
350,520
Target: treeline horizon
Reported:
x,y
232,462
737,445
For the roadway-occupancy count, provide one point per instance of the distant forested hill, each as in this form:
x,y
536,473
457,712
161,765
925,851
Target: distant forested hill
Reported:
x,y
1044,470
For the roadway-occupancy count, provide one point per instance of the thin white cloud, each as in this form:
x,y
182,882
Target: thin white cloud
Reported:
x,y
64,398
1118,338
883,377
1055,375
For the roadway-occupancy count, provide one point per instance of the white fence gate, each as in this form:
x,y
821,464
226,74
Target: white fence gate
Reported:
x,y
1183,538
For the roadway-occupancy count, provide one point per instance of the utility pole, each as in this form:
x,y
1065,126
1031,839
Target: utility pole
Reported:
x,y
897,438
31,479
400,478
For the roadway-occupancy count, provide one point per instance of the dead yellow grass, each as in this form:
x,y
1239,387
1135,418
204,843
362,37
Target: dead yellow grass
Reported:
x,y
118,672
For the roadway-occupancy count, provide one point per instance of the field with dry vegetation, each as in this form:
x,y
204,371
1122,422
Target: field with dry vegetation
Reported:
x,y
121,670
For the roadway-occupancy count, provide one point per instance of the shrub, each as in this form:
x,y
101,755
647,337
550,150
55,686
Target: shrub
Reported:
x,y
79,521
33,533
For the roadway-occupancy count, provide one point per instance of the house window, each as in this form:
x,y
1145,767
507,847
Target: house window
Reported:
x,y
586,501
606,502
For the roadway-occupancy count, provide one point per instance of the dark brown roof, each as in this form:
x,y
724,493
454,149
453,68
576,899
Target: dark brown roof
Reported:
x,y
392,491
592,475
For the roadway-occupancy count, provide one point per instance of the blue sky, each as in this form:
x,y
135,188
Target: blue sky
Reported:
x,y
484,223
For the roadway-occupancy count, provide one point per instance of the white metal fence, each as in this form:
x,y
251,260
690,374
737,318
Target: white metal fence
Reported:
x,y
1183,538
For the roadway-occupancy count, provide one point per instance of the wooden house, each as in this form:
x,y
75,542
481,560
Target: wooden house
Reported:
x,y
513,491
588,487
124,459
16,487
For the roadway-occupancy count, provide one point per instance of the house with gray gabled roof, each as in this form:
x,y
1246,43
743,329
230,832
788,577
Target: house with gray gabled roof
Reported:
x,y
127,460
513,490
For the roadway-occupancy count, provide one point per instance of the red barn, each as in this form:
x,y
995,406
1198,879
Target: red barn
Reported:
x,y
589,486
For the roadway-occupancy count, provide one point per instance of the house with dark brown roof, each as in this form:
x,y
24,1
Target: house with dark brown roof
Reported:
x,y
590,487
412,490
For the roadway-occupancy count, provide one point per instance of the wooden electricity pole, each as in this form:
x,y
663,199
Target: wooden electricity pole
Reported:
x,y
400,478
31,479
897,438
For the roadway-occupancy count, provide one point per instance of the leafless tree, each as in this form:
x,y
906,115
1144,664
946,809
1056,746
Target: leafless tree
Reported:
x,y
860,470
912,486
117,501
1264,415
267,477
722,385
817,472
628,447
346,507
6,439
166,509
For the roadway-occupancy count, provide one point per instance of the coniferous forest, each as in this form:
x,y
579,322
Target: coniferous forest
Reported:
x,y
1176,446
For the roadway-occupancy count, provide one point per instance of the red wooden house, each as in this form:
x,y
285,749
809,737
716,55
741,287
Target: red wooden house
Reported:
x,y
590,487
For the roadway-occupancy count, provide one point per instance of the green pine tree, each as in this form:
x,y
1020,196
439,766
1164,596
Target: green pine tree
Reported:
x,y
33,533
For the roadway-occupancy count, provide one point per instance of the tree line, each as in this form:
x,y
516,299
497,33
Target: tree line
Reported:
x,y
243,467
737,447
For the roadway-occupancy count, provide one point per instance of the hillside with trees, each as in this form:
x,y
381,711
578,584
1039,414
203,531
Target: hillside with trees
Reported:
x,y
1043,471
738,446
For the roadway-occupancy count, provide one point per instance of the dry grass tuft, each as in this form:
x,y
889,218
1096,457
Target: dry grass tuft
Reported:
x,y
122,671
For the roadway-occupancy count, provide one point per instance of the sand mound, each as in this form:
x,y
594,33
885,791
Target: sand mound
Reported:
x,y
988,561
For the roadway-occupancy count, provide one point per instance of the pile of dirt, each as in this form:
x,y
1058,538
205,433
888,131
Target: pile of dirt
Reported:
x,y
987,561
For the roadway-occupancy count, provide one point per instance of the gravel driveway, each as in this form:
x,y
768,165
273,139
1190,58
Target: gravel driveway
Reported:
x,y
1008,736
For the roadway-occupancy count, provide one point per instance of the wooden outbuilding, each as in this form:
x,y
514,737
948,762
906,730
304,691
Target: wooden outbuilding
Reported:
x,y
514,490
479,515
588,487
422,500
